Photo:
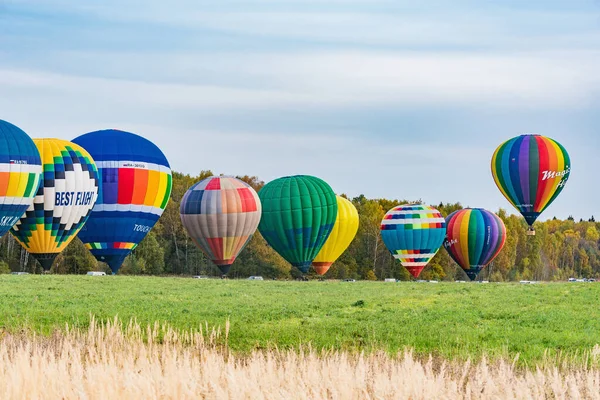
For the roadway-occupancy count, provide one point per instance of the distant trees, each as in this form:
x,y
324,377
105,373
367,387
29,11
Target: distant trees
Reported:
x,y
560,249
75,259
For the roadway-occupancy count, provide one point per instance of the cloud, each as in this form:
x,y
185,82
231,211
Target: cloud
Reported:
x,y
382,24
386,98
330,79
452,28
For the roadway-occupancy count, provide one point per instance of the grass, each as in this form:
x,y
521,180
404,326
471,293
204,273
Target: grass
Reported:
x,y
109,360
112,361
448,320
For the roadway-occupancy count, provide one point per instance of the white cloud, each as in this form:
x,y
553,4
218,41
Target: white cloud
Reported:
x,y
350,23
168,96
412,29
48,105
332,80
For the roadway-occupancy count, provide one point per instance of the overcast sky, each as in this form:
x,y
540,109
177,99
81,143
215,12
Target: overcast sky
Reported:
x,y
397,99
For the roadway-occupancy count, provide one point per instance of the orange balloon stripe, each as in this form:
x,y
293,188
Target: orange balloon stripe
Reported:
x,y
553,165
140,181
456,233
151,192
553,182
4,179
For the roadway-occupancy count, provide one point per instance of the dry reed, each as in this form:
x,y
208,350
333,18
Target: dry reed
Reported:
x,y
114,361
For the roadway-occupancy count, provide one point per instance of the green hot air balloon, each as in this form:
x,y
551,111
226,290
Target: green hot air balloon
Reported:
x,y
298,214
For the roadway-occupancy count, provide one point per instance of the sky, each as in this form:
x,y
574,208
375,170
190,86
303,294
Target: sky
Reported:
x,y
387,98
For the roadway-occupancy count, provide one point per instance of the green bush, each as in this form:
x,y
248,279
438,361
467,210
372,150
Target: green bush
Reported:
x,y
4,268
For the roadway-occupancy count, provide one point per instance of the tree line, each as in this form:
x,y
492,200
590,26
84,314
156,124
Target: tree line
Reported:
x,y
560,249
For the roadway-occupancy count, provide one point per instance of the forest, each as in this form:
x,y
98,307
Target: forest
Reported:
x,y
560,249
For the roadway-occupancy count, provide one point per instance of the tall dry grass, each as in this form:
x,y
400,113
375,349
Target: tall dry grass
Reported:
x,y
112,361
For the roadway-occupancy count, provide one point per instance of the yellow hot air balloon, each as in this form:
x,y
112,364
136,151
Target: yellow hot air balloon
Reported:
x,y
344,231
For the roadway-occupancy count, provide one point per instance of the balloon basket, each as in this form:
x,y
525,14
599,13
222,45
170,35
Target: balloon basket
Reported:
x,y
530,232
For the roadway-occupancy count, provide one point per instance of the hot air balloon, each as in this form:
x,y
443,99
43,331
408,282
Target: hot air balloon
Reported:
x,y
531,171
20,174
344,231
413,234
63,202
474,237
221,214
298,215
135,187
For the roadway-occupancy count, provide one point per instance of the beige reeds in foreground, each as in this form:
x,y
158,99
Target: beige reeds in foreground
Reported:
x,y
113,362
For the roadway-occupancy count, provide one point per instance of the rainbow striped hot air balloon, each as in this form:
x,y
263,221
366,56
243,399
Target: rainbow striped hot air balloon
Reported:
x,y
474,237
413,234
63,203
221,214
531,171
20,174
135,188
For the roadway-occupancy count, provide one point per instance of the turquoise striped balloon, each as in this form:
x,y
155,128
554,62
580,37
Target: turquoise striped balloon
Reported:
x,y
413,234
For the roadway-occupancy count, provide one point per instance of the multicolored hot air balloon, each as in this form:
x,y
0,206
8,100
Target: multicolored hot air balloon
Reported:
x,y
413,234
63,202
20,174
531,171
221,214
474,238
343,233
298,216
135,187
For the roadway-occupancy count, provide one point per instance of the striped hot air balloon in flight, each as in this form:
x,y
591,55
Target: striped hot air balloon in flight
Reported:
x,y
531,171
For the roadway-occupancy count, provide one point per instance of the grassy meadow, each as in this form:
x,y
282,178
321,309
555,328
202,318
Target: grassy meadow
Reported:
x,y
455,321
110,361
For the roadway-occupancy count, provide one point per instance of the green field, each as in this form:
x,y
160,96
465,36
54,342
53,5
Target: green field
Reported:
x,y
454,320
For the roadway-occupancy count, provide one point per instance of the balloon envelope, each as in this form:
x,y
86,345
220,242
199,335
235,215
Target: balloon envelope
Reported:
x,y
20,174
531,171
474,237
220,214
344,231
63,201
135,187
413,234
298,215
